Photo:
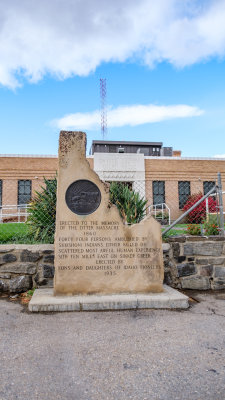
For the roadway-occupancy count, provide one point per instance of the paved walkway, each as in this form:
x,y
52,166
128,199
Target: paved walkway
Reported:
x,y
138,355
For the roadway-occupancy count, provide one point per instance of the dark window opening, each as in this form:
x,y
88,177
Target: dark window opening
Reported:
x,y
184,192
24,192
207,186
158,188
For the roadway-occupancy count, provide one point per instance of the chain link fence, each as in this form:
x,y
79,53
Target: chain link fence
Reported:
x,y
192,207
16,199
168,201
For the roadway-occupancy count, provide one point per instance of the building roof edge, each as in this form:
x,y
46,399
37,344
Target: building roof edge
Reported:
x,y
184,158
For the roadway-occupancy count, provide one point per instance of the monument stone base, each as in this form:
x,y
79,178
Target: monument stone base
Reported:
x,y
43,300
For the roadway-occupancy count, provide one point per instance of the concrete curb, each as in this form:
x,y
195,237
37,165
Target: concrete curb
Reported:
x,y
43,300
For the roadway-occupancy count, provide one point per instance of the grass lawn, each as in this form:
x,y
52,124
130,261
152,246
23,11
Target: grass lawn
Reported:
x,y
175,232
18,233
13,232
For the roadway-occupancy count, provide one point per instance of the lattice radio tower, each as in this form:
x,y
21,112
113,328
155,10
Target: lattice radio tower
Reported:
x,y
103,107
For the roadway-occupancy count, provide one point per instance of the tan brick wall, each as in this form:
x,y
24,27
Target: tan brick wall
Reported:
x,y
180,169
169,170
173,170
9,191
27,167
13,169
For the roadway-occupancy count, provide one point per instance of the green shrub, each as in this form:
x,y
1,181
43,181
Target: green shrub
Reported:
x,y
41,220
212,218
42,211
211,228
131,206
198,215
194,229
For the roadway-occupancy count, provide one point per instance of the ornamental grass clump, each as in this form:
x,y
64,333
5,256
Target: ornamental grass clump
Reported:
x,y
131,206
42,213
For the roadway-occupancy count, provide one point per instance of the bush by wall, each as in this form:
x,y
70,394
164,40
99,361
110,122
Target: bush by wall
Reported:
x,y
198,215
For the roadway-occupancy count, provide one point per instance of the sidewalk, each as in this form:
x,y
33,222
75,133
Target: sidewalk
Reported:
x,y
120,355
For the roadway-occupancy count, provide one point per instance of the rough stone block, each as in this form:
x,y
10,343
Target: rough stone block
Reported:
x,y
19,269
180,259
5,276
29,256
40,281
218,284
186,269
216,238
214,261
167,278
180,239
4,287
206,270
176,250
47,252
203,249
219,272
166,261
48,271
49,259
193,238
7,258
166,247
20,284
196,282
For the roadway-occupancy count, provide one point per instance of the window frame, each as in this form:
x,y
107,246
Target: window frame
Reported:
x,y
210,183
182,202
154,195
19,203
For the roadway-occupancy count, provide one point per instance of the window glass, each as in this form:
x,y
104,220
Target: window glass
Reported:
x,y
184,192
24,191
207,185
158,188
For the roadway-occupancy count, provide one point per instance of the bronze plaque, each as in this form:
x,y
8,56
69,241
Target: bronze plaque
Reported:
x,y
83,197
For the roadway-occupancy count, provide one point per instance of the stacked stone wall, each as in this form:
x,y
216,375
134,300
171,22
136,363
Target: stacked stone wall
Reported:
x,y
190,263
23,267
195,263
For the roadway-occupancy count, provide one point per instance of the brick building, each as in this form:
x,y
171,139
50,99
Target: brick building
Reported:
x,y
158,173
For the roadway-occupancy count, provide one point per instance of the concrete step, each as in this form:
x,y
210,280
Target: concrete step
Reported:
x,y
43,300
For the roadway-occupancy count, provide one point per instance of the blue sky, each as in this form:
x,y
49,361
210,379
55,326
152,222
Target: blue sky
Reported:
x,y
164,64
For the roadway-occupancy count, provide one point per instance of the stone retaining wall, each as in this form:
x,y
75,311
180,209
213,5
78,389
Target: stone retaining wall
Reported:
x,y
190,263
195,262
23,267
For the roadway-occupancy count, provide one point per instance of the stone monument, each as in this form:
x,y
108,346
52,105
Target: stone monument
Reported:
x,y
94,251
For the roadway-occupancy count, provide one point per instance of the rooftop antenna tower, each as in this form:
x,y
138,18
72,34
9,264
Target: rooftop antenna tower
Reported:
x,y
103,107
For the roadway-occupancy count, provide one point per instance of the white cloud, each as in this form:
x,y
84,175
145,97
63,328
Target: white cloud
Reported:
x,y
219,156
131,115
72,37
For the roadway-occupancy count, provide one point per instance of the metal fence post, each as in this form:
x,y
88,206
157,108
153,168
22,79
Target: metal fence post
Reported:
x,y
220,195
